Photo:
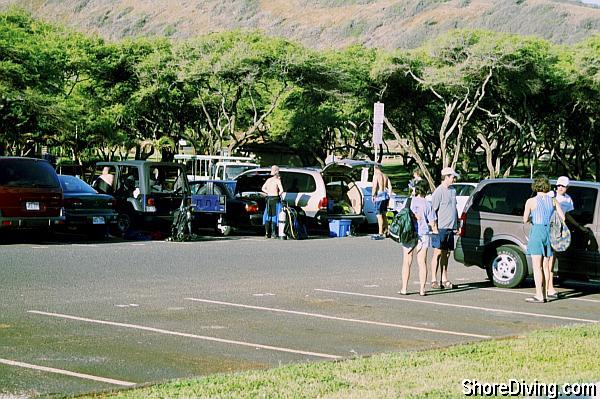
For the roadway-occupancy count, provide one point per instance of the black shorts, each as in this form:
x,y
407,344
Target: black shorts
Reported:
x,y
444,240
381,207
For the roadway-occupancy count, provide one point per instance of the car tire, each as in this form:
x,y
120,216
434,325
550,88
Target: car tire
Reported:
x,y
124,222
507,266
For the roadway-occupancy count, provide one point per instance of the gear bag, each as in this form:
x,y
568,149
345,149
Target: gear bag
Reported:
x,y
560,236
402,229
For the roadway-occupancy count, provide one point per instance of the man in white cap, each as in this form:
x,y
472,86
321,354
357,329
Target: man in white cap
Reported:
x,y
566,203
273,189
443,202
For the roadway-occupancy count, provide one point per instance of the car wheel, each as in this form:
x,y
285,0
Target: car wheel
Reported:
x,y
508,268
123,223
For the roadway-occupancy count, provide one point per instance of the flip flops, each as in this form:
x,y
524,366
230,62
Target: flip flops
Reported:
x,y
533,299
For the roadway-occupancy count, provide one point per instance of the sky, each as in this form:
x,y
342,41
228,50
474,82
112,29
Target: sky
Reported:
x,y
596,2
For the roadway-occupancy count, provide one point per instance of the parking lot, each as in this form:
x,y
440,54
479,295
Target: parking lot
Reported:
x,y
77,317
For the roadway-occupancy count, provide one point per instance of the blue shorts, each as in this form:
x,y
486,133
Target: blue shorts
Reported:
x,y
539,240
444,240
381,207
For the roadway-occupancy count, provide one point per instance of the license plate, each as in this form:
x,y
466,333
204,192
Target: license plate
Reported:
x,y
98,220
32,206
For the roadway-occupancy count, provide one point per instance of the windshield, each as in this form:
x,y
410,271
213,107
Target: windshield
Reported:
x,y
233,171
72,184
27,173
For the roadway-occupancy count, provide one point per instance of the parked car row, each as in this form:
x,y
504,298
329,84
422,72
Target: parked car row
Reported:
x,y
146,194
33,196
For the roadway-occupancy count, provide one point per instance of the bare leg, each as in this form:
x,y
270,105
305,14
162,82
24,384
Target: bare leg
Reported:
x,y
422,262
538,276
550,290
406,262
434,263
380,224
546,267
444,265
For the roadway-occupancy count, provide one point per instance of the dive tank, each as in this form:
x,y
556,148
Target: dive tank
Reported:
x,y
281,216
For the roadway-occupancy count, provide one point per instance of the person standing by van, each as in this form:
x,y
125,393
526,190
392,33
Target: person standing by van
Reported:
x,y
538,212
424,217
381,198
273,188
443,202
566,203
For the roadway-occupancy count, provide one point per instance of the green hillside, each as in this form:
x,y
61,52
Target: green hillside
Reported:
x,y
322,23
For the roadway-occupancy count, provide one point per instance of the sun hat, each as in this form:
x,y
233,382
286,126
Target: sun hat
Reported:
x,y
449,171
563,181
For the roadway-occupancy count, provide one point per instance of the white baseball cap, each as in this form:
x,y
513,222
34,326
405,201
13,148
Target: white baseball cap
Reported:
x,y
563,181
449,171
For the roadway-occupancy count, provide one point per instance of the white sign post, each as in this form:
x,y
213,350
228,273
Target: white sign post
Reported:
x,y
377,126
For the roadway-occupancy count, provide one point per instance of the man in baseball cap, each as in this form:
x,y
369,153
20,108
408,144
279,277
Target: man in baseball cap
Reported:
x,y
443,202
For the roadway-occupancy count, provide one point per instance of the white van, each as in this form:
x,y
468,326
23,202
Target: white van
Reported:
x,y
323,195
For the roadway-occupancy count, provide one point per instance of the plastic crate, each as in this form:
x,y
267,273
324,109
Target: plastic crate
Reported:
x,y
339,228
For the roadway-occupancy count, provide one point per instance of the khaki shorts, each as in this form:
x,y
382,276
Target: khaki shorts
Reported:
x,y
423,241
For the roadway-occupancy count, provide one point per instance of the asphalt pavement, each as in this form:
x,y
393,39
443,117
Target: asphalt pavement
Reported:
x,y
78,317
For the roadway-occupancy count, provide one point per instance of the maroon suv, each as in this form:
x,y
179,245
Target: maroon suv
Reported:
x,y
30,194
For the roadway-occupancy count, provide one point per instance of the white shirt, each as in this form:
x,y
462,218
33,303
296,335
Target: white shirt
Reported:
x,y
565,201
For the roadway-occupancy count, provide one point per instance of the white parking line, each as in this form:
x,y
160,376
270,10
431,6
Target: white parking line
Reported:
x,y
322,316
186,335
66,372
460,306
564,296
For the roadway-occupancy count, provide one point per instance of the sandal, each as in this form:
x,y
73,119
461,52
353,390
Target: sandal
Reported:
x,y
402,293
422,293
435,285
533,299
556,295
448,285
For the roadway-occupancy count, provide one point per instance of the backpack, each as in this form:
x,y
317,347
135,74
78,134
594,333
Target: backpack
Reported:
x,y
402,229
295,223
560,236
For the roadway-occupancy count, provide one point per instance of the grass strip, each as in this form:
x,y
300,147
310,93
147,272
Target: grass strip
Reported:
x,y
557,356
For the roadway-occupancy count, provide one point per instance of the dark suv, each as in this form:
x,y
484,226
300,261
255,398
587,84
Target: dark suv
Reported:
x,y
147,193
30,194
493,236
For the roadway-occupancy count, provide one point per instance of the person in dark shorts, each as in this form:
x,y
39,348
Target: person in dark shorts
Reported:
x,y
273,189
443,202
381,198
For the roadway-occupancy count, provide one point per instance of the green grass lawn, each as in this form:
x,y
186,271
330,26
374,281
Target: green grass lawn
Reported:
x,y
568,354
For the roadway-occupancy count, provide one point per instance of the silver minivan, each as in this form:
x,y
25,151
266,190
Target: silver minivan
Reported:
x,y
492,234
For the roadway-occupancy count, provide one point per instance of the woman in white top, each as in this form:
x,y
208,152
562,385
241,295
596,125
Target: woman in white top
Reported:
x,y
424,217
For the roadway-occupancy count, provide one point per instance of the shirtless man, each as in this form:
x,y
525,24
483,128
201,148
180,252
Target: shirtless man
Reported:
x,y
381,198
273,189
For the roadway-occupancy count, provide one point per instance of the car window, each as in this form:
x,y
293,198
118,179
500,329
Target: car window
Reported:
x,y
463,189
25,173
71,184
251,182
503,198
166,179
129,179
584,201
294,182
